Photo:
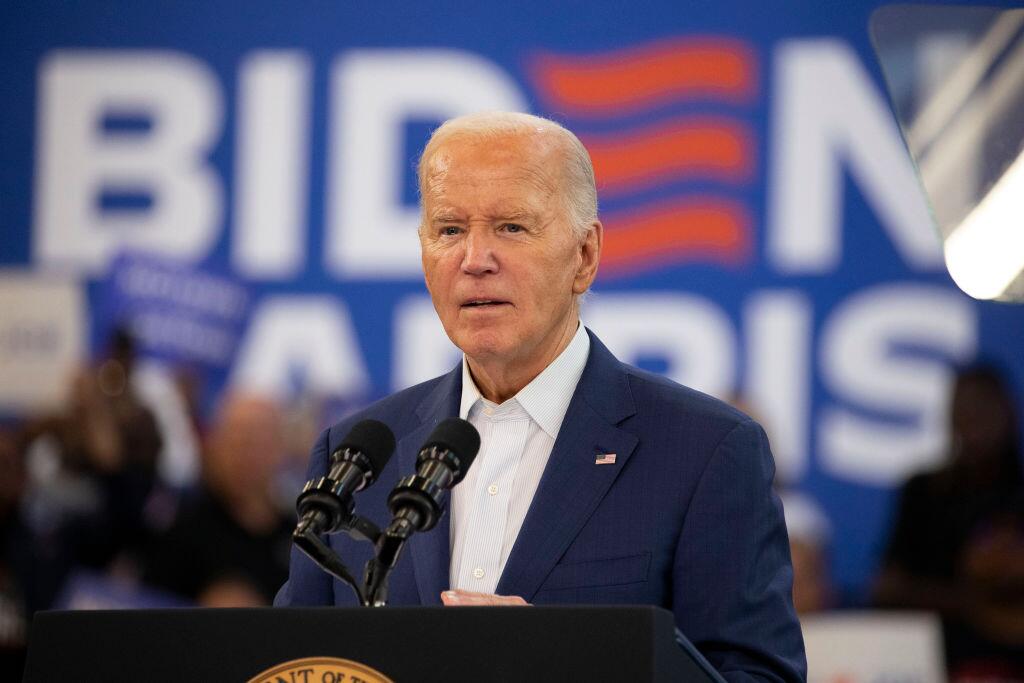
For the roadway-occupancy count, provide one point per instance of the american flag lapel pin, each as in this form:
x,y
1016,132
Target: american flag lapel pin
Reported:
x,y
605,459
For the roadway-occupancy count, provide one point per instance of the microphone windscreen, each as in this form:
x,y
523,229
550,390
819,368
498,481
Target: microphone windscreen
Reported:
x,y
374,440
459,437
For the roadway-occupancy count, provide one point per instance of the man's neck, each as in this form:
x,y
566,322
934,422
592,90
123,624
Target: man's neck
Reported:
x,y
499,379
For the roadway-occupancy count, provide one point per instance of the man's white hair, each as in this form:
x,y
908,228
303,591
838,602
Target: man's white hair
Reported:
x,y
578,188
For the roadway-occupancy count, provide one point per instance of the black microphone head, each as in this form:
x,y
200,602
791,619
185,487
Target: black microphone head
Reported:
x,y
374,440
459,437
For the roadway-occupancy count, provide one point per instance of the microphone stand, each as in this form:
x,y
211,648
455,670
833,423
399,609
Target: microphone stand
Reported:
x,y
373,592
389,547
332,515
318,551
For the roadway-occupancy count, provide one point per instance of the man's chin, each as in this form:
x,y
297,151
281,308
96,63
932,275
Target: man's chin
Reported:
x,y
485,346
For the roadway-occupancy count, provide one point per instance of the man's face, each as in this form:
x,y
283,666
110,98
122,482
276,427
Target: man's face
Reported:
x,y
500,259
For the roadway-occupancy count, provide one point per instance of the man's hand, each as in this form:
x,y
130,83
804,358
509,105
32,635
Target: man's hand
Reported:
x,y
460,598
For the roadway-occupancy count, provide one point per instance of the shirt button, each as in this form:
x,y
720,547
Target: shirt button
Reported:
x,y
492,489
489,411
478,573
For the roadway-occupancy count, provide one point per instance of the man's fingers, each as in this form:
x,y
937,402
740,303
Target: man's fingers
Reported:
x,y
460,598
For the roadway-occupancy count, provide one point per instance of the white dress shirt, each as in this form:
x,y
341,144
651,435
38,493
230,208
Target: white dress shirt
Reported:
x,y
516,437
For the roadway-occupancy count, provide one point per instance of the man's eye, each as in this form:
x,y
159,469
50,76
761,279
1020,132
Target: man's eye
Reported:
x,y
513,227
450,230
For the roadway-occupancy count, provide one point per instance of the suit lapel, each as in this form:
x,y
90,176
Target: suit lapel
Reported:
x,y
573,485
430,550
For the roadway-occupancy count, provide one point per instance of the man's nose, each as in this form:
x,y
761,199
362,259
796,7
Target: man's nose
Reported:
x,y
479,256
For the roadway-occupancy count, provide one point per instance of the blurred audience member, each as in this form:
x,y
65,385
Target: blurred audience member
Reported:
x,y
957,546
13,545
229,546
810,536
91,470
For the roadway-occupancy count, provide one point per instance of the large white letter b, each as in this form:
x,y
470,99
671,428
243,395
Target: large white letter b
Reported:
x,y
77,160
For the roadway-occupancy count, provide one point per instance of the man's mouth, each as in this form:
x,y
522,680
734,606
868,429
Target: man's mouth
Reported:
x,y
483,303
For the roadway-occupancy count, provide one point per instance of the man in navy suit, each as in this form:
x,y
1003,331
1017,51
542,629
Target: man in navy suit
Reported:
x,y
596,482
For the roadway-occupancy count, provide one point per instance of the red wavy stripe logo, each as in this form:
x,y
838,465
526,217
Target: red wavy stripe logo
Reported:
x,y
722,69
716,230
712,148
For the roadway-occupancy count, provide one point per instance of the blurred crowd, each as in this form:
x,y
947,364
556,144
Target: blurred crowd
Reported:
x,y
955,547
128,497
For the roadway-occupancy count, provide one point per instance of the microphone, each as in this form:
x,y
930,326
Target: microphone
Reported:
x,y
325,504
416,500
442,463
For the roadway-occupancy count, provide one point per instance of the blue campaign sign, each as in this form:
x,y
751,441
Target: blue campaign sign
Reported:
x,y
176,312
766,236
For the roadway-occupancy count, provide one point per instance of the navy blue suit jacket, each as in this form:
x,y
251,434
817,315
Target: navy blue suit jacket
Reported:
x,y
684,519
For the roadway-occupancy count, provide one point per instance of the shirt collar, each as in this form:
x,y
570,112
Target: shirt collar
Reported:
x,y
547,397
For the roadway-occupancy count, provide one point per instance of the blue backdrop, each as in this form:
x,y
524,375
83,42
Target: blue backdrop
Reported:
x,y
240,176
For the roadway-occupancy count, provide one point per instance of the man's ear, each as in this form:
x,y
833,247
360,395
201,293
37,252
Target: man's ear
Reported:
x,y
590,256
